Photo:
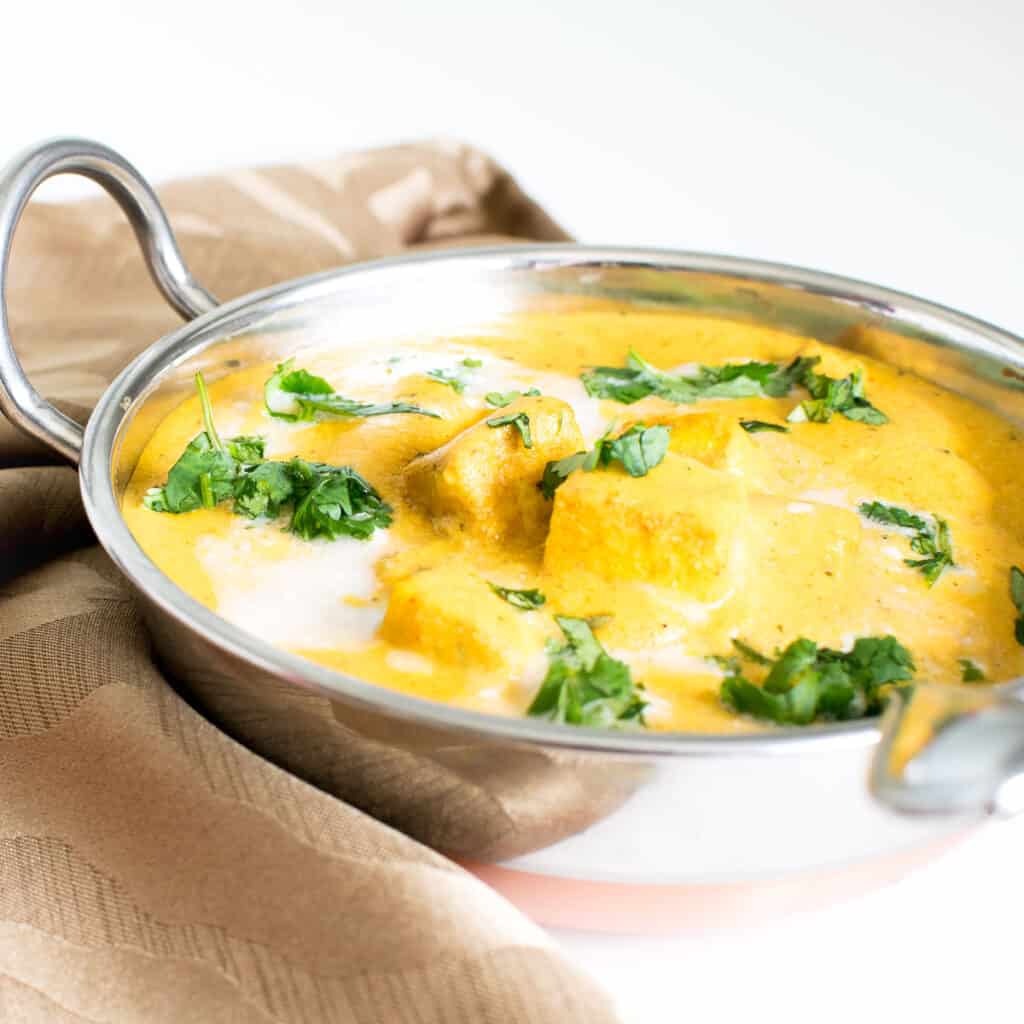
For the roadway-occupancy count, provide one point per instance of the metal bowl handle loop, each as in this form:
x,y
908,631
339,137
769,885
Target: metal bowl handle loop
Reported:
x,y
22,404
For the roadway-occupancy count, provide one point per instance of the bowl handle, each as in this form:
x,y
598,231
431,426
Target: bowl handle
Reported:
x,y
952,749
23,405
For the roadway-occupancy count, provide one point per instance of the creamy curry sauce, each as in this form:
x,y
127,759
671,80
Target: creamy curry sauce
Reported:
x,y
755,535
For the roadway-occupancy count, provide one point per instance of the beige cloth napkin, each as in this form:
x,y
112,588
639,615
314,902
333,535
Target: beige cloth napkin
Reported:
x,y
151,869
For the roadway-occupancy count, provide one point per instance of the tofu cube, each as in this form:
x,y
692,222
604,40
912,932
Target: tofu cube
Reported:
x,y
483,482
709,437
450,614
713,438
680,526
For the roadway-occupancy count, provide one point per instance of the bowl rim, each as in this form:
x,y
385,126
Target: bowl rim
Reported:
x,y
130,387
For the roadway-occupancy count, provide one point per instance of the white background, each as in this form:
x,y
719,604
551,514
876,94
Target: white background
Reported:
x,y
880,140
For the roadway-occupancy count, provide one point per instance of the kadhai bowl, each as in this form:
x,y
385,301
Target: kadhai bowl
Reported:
x,y
386,663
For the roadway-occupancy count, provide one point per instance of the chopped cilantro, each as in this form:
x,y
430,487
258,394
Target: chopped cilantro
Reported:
x,y
499,399
527,600
334,501
584,685
758,426
892,515
970,673
831,395
931,541
455,379
936,549
749,653
639,379
557,472
639,450
449,377
298,395
519,420
205,472
264,490
328,501
202,477
1017,596
247,450
807,683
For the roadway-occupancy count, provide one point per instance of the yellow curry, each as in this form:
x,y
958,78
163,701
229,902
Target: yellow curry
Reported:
x,y
628,518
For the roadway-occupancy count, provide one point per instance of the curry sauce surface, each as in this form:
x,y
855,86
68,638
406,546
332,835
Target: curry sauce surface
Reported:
x,y
788,555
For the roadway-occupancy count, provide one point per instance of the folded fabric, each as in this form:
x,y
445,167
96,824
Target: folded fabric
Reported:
x,y
152,869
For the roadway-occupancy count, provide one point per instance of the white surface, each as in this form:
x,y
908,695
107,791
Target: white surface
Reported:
x,y
943,945
879,139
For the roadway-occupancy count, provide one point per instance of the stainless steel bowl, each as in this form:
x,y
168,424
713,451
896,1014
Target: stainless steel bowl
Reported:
x,y
668,822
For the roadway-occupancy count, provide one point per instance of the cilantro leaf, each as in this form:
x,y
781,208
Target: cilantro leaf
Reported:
x,y
264,490
790,376
204,472
639,379
453,378
891,515
800,656
808,683
519,420
876,661
930,541
758,426
557,472
247,450
864,412
334,501
749,653
831,395
970,672
794,707
639,450
202,477
620,385
526,600
297,395
285,385
301,382
735,380
584,685
349,408
499,399
329,501
1017,596
937,549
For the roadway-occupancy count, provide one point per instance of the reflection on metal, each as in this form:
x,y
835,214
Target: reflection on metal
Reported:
x,y
23,175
